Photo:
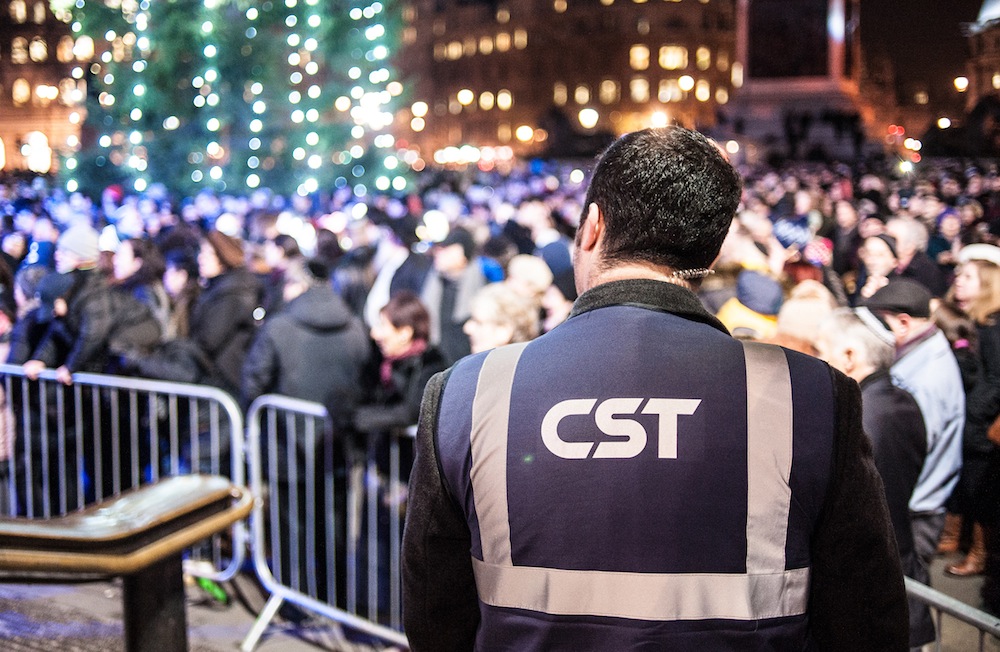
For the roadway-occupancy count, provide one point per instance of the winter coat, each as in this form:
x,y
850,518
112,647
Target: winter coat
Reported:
x,y
223,325
314,349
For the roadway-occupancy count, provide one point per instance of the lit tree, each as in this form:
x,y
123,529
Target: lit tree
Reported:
x,y
293,95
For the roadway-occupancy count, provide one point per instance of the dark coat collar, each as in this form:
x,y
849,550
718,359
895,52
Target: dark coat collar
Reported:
x,y
649,294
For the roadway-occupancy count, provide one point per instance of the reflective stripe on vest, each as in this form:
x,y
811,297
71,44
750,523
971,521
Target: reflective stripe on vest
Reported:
x,y
766,590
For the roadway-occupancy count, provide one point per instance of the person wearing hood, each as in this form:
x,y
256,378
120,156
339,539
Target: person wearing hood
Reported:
x,y
314,349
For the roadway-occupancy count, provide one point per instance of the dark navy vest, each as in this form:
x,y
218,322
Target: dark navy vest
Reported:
x,y
634,480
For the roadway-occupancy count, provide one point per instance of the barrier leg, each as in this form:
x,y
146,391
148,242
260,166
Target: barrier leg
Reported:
x,y
260,625
154,609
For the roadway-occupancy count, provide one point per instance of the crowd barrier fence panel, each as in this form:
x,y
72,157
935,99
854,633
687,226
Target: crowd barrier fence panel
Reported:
x,y
327,524
78,444
942,604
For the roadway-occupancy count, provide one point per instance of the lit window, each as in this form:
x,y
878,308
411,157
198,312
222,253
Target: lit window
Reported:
x,y
673,57
921,97
38,49
455,50
559,6
737,75
702,90
504,100
39,12
409,35
503,16
609,92
722,60
19,50
486,100
409,13
503,42
454,106
520,39
469,47
21,92
560,94
686,82
996,80
670,91
582,94
84,48
465,97
607,3
703,58
486,45
19,11
642,27
64,51
440,51
37,152
3,155
721,95
504,133
67,91
639,89
638,57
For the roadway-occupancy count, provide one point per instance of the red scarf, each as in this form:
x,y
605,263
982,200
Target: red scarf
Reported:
x,y
385,369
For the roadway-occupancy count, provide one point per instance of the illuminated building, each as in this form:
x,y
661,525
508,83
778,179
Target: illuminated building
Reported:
x,y
529,74
983,77
40,93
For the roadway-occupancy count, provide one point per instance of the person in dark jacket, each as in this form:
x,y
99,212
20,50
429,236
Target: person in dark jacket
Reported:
x,y
549,506
314,349
860,345
222,320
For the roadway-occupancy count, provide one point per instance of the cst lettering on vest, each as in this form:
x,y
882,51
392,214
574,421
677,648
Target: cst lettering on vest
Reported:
x,y
611,417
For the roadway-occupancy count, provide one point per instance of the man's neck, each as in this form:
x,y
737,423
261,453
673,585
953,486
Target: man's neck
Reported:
x,y
636,270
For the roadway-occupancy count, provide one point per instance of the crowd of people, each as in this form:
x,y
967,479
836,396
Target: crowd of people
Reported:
x,y
355,302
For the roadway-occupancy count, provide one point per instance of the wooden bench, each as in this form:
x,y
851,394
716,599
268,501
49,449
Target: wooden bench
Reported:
x,y
139,535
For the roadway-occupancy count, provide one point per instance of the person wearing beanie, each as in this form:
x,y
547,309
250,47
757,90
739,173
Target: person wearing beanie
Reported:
x,y
222,322
448,292
77,248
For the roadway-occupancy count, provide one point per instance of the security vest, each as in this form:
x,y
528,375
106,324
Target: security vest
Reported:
x,y
635,480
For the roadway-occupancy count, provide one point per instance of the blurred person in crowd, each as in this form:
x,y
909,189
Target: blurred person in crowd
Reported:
x,y
859,344
448,292
976,290
926,367
138,268
846,237
946,243
222,321
406,362
911,250
486,563
500,316
753,312
879,261
529,276
313,349
399,268
278,252
799,317
962,334
557,302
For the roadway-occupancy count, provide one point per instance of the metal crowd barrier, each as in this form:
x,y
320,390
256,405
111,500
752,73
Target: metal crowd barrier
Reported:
x,y
942,604
326,535
75,445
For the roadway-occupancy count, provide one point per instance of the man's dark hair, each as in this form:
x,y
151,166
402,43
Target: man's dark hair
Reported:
x,y
667,195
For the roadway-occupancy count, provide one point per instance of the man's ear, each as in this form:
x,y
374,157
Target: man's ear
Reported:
x,y
850,360
592,229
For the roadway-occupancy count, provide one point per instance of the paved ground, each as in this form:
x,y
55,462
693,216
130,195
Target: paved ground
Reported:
x,y
86,617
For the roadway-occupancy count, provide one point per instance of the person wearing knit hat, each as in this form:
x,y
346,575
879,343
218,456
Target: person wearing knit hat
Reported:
x,y
77,248
878,253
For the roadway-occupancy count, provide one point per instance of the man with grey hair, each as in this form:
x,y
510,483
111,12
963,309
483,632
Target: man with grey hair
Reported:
x,y
860,344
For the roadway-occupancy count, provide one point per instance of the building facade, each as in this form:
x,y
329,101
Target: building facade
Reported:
x,y
40,92
552,76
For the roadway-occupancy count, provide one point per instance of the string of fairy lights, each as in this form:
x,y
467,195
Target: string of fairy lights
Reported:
x,y
285,114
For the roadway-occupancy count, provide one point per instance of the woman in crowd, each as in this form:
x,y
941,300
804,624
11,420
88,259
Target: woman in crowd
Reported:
x,y
500,316
407,362
222,320
138,269
976,290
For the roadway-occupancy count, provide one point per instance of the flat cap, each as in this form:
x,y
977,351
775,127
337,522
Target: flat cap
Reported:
x,y
902,295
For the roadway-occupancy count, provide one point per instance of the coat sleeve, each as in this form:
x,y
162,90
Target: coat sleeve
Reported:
x,y
260,366
440,604
857,600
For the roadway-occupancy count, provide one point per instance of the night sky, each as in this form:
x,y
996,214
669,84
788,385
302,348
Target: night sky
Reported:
x,y
923,37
